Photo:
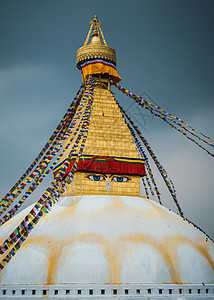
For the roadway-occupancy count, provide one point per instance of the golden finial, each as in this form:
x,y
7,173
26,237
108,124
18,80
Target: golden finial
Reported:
x,y
97,28
95,21
97,49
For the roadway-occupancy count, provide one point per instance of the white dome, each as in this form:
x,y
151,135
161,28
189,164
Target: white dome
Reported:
x,y
109,240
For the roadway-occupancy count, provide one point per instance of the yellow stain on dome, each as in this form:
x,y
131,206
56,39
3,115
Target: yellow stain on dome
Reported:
x,y
117,202
115,251
139,238
69,211
167,247
152,211
172,243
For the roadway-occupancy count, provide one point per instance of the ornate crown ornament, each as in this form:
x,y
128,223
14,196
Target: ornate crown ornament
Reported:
x,y
96,49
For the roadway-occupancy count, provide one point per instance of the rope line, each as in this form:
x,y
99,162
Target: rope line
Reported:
x,y
12,194
153,156
161,113
52,193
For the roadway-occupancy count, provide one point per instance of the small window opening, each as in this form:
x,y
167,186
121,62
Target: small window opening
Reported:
x,y
67,292
126,292
56,292
138,292
180,291
4,292
44,292
91,292
199,291
190,291
114,292
33,292
79,292
13,292
23,292
149,291
207,291
103,292
170,291
160,291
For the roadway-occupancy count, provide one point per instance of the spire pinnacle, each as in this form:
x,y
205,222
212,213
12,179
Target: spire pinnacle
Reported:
x,y
95,57
96,26
95,21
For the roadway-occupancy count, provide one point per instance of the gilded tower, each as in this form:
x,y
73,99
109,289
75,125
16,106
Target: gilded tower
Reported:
x,y
113,163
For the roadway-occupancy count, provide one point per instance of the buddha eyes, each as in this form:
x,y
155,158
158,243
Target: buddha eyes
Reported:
x,y
120,178
114,178
96,177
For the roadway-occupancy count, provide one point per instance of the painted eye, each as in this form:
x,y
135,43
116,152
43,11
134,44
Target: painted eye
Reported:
x,y
96,177
120,179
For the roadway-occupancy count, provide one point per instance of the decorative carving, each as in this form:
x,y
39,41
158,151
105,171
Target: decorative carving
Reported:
x,y
95,51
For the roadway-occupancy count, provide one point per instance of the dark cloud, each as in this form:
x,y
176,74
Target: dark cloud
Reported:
x,y
164,51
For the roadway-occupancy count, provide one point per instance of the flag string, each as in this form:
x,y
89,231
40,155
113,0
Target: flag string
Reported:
x,y
161,169
167,117
37,179
12,194
52,193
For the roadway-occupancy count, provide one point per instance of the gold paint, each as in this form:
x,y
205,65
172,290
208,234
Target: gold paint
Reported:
x,y
118,204
108,136
171,261
53,248
116,251
82,185
202,248
46,287
112,253
168,248
69,210
53,260
172,245
108,121
149,212
160,248
159,211
114,259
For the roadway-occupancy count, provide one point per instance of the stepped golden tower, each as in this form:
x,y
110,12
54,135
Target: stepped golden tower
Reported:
x,y
109,138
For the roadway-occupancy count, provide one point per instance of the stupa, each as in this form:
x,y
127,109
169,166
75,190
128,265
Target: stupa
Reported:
x,y
102,239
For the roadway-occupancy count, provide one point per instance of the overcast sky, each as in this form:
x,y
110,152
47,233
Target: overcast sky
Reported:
x,y
164,51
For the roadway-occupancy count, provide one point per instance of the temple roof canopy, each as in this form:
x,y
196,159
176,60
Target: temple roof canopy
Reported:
x,y
96,50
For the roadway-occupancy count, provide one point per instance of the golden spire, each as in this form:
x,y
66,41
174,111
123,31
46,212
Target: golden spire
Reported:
x,y
109,148
96,33
96,48
108,136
